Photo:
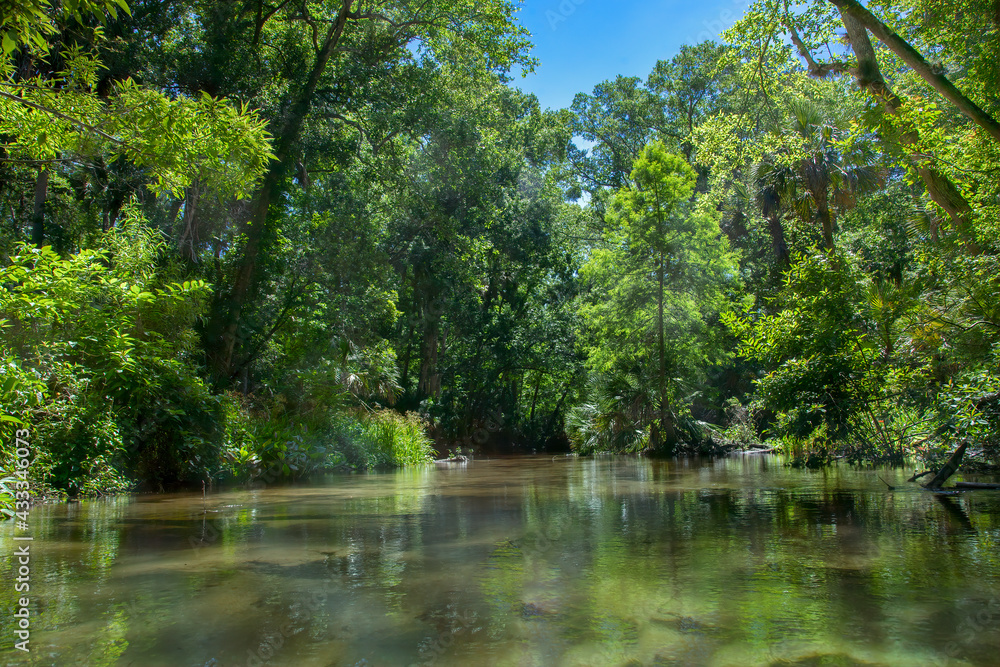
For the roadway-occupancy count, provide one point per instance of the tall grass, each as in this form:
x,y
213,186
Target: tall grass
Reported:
x,y
258,444
383,439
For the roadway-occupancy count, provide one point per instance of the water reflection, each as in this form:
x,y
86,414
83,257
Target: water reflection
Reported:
x,y
532,561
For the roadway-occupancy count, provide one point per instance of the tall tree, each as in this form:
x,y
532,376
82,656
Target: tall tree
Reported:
x,y
337,30
655,284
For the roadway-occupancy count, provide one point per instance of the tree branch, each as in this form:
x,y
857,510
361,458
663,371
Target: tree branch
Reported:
x,y
914,60
74,121
818,70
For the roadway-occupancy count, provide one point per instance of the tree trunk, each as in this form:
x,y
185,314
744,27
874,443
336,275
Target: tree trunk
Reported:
x,y
38,213
174,210
939,187
187,243
430,383
944,193
226,322
405,380
914,60
555,413
661,349
949,469
663,433
826,220
534,397
778,244
976,485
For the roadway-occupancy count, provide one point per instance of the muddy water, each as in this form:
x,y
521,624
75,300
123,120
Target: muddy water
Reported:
x,y
526,561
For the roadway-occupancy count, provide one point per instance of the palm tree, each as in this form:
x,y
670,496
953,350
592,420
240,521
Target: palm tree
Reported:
x,y
772,184
814,186
623,408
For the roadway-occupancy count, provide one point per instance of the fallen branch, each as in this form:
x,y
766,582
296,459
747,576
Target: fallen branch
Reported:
x,y
949,469
891,487
976,485
917,476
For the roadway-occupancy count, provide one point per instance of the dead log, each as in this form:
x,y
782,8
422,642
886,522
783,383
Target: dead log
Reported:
x,y
949,469
976,485
453,460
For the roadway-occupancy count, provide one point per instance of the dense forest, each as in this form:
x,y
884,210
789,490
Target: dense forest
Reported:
x,y
252,239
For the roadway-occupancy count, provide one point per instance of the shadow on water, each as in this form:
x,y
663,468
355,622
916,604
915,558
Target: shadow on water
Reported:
x,y
522,561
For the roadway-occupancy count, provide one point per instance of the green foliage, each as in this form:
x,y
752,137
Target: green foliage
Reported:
x,y
742,424
55,114
98,361
968,410
621,116
7,497
817,346
178,141
615,417
431,239
814,450
261,444
26,24
654,285
383,439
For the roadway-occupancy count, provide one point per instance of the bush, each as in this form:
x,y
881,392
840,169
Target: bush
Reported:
x,y
742,424
818,349
97,360
267,444
811,451
81,450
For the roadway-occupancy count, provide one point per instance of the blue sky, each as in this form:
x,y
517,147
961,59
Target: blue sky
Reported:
x,y
583,42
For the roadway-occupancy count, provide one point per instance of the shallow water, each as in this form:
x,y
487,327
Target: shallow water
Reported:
x,y
521,561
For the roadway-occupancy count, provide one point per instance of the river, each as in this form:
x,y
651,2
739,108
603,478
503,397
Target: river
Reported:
x,y
520,561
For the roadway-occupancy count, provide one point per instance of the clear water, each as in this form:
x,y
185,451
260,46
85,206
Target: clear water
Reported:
x,y
521,561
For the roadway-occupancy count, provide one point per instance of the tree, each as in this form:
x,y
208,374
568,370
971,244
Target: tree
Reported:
x,y
622,115
655,285
441,29
856,16
52,115
473,232
810,176
694,85
907,123
619,118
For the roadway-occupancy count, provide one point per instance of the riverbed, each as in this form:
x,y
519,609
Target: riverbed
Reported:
x,y
520,561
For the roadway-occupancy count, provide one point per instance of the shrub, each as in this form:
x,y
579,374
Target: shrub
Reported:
x,y
97,359
263,444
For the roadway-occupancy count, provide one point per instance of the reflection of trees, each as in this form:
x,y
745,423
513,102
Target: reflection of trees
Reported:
x,y
755,566
625,558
